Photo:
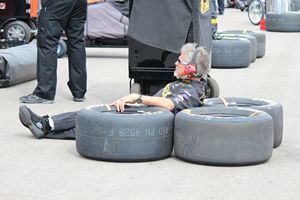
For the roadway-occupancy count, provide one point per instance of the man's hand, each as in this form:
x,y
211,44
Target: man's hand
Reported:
x,y
120,103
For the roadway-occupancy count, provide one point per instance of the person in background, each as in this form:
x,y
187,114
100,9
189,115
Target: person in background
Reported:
x,y
192,67
214,16
54,17
221,6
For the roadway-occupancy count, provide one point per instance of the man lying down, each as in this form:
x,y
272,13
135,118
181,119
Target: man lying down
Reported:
x,y
107,19
191,69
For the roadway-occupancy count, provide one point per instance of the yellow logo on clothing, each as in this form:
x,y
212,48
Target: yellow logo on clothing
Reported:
x,y
204,6
166,91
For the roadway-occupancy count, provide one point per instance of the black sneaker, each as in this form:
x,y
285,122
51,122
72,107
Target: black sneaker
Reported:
x,y
32,98
38,125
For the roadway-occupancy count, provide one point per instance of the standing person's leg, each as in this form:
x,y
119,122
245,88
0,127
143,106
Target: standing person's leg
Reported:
x,y
49,32
214,15
214,11
52,20
76,51
221,7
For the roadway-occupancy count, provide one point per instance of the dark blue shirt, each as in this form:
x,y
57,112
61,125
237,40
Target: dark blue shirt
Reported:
x,y
184,94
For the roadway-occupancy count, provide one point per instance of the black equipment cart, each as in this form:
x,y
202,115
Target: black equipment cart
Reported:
x,y
157,30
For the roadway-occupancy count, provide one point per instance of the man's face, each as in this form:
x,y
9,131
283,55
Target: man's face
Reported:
x,y
180,66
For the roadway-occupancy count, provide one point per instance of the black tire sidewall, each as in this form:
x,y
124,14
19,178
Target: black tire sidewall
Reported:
x,y
207,139
231,53
122,137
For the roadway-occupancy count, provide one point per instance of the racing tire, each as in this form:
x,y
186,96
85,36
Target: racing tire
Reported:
x,y
140,133
61,49
256,12
17,31
212,88
272,108
260,39
283,22
251,38
2,67
296,5
229,52
223,136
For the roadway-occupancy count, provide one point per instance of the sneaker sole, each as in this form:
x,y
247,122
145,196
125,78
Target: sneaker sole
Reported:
x,y
37,102
79,99
24,116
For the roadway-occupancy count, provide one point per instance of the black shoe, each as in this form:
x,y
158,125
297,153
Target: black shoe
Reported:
x,y
79,99
32,98
38,125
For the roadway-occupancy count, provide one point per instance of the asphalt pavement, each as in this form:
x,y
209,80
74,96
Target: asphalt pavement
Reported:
x,y
32,169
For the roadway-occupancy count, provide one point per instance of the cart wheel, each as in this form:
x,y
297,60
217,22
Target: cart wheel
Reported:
x,y
61,49
135,88
17,31
256,12
211,88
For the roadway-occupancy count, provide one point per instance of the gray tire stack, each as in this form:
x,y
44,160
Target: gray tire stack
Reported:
x,y
231,53
231,48
224,131
260,39
139,134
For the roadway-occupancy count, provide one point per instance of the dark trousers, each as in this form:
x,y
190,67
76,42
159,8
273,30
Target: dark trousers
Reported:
x,y
64,126
54,17
221,5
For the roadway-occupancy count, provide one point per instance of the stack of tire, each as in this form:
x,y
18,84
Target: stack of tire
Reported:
x,y
237,48
224,131
288,21
229,131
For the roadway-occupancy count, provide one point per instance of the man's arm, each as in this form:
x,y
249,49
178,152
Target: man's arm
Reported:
x,y
94,1
147,100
